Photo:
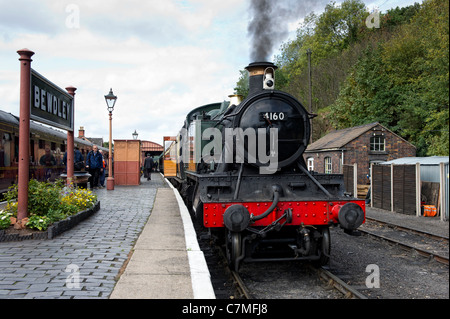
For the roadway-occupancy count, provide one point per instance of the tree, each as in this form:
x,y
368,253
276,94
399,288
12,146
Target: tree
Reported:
x,y
403,82
242,84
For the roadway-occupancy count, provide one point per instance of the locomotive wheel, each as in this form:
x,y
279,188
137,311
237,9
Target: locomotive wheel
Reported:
x,y
324,248
233,249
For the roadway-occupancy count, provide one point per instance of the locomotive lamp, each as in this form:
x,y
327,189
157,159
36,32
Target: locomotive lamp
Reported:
x,y
269,80
110,102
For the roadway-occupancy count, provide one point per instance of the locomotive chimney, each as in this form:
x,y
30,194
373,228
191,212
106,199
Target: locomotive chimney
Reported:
x,y
261,77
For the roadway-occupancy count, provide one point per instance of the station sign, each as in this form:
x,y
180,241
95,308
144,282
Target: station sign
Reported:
x,y
50,104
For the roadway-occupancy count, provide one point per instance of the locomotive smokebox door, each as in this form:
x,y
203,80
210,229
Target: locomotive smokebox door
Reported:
x,y
236,218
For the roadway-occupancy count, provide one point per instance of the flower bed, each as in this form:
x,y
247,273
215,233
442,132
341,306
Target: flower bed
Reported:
x,y
52,209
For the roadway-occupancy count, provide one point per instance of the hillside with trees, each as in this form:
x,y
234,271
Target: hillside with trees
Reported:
x,y
397,74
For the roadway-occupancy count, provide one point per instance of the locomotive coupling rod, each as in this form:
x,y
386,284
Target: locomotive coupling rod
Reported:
x,y
276,197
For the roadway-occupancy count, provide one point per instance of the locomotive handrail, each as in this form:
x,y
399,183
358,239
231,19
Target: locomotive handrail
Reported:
x,y
315,181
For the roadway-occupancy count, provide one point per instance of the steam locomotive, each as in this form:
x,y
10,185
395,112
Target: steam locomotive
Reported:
x,y
239,166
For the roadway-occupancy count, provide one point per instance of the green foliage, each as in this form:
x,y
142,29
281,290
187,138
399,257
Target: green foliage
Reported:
x,y
39,222
242,84
42,197
48,203
5,219
403,83
397,75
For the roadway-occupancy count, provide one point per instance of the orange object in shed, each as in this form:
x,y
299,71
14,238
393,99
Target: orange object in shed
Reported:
x,y
429,210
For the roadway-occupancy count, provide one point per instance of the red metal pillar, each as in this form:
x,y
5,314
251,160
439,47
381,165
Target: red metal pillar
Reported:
x,y
70,141
24,135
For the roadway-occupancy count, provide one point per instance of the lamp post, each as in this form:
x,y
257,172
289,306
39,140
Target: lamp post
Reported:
x,y
110,102
135,135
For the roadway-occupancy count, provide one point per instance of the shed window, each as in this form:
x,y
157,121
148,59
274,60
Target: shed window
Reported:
x,y
377,143
328,165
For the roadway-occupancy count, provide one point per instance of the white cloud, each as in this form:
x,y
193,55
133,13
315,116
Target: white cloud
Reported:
x,y
157,80
162,58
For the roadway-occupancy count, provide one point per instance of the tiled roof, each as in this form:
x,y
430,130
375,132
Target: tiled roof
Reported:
x,y
339,138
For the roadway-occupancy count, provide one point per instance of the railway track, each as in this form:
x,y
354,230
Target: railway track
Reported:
x,y
294,280
425,244
333,282
229,284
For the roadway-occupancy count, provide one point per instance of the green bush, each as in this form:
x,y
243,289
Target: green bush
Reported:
x,y
39,222
48,203
5,219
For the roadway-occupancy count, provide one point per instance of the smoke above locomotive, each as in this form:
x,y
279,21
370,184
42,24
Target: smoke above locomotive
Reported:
x,y
269,23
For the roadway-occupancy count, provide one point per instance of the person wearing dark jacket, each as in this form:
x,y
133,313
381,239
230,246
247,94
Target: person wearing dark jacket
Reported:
x,y
148,165
78,158
94,163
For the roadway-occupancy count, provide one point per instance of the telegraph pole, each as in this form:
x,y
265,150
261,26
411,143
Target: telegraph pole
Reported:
x,y
308,52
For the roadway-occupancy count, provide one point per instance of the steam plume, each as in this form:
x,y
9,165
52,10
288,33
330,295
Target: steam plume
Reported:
x,y
268,26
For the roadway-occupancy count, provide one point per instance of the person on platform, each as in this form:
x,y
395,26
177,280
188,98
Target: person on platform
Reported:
x,y
47,160
94,163
102,174
78,160
148,165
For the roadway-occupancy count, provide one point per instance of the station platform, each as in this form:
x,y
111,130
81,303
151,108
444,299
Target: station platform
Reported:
x,y
140,244
166,262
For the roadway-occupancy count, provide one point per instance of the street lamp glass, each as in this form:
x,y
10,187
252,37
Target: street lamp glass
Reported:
x,y
135,135
110,100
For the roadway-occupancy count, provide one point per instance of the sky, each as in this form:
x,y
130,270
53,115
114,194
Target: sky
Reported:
x,y
161,58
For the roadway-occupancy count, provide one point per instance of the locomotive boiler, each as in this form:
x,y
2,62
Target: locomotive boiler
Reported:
x,y
239,167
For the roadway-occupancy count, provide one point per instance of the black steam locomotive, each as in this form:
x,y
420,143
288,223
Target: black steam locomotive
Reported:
x,y
239,166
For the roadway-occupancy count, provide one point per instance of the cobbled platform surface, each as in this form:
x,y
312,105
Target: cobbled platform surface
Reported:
x,y
84,261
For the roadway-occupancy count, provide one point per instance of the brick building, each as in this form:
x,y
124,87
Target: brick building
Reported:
x,y
365,144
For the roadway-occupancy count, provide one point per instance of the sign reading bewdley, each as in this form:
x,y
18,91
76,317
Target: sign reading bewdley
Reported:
x,y
50,104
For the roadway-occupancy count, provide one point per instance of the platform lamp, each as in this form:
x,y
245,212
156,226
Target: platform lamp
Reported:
x,y
135,135
110,102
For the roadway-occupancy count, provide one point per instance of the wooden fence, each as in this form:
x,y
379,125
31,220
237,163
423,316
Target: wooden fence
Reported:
x,y
395,188
350,178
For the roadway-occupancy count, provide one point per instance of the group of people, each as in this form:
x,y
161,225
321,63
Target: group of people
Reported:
x,y
95,164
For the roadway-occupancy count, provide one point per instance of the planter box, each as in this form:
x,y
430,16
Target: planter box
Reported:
x,y
54,230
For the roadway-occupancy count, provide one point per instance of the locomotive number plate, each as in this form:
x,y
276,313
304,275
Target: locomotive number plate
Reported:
x,y
273,116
